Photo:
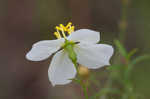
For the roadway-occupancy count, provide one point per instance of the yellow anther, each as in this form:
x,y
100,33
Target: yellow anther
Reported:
x,y
68,25
64,29
57,35
58,28
63,33
70,30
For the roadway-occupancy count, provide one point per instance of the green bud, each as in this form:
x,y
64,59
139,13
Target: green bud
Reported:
x,y
69,48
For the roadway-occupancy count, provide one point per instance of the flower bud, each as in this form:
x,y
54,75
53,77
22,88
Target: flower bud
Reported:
x,y
83,71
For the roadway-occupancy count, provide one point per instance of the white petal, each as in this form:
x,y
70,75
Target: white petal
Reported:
x,y
43,49
85,35
93,55
61,69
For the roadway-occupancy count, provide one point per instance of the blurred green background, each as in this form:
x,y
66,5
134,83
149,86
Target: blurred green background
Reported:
x,y
24,22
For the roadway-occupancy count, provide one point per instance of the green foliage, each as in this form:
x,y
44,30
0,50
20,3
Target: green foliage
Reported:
x,y
121,49
119,84
140,59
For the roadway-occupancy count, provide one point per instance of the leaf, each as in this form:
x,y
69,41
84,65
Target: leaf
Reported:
x,y
121,48
75,80
131,53
139,59
114,67
133,62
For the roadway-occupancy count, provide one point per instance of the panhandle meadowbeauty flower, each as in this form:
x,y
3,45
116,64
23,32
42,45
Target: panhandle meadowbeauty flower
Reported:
x,y
83,42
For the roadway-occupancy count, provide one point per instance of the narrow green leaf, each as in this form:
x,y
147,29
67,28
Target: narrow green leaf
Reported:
x,y
131,53
114,67
121,48
75,80
139,59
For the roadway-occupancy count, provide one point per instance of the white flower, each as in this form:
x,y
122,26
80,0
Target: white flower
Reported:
x,y
62,69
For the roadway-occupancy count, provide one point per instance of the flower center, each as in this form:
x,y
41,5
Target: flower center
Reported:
x,y
62,31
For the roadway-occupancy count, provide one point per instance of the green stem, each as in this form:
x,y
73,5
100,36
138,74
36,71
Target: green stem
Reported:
x,y
73,57
84,86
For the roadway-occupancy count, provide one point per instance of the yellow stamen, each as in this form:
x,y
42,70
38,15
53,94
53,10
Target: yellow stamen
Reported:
x,y
63,33
57,35
64,29
68,25
58,28
70,30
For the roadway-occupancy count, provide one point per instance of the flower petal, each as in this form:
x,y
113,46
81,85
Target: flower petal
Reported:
x,y
93,55
85,35
43,49
61,69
